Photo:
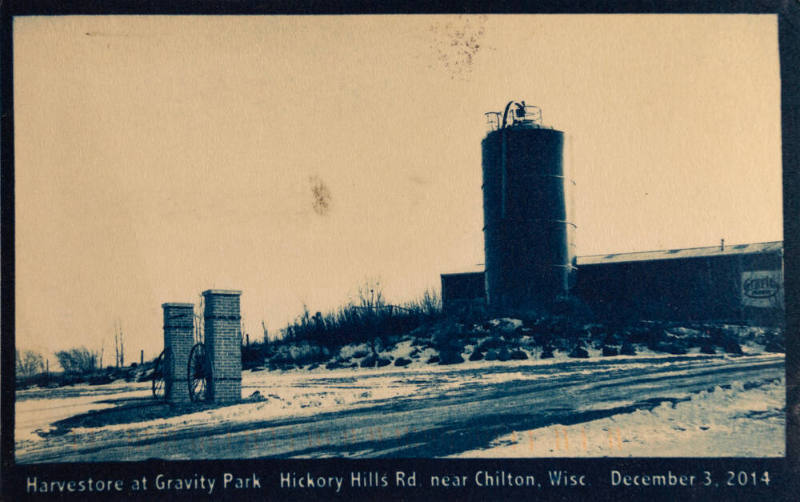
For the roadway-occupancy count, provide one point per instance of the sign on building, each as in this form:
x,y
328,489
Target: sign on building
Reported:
x,y
762,288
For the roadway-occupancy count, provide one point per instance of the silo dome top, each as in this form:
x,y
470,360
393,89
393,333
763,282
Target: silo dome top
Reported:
x,y
522,115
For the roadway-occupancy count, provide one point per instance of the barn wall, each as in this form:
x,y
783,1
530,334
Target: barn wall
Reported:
x,y
698,289
463,294
712,288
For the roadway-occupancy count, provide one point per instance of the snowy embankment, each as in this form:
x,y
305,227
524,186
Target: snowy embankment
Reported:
x,y
735,422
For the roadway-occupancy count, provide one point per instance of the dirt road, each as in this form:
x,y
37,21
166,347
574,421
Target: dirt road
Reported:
x,y
442,423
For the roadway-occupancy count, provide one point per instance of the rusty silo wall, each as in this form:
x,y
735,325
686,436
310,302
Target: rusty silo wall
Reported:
x,y
526,234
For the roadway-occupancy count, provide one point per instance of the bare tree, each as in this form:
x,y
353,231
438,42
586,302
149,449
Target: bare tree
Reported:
x,y
29,363
119,344
116,346
370,296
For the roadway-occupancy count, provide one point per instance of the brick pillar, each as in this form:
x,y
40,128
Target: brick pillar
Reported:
x,y
178,342
223,344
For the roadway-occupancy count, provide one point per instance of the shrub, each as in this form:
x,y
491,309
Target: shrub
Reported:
x,y
77,361
447,335
450,357
489,343
333,364
100,379
774,345
732,347
402,361
369,361
367,320
675,348
253,355
579,352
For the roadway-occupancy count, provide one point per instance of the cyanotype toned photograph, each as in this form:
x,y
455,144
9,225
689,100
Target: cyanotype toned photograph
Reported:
x,y
397,236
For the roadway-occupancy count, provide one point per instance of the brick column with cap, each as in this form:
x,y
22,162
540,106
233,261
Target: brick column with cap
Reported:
x,y
178,342
223,344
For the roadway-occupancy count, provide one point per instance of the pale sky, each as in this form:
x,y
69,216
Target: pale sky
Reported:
x,y
157,157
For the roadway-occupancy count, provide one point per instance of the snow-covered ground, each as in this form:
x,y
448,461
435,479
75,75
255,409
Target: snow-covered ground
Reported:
x,y
701,422
286,393
37,409
737,421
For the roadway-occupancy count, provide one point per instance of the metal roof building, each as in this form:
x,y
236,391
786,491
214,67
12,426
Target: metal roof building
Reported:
x,y
738,283
676,254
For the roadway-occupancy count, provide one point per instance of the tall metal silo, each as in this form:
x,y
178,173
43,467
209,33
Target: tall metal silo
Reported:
x,y
526,233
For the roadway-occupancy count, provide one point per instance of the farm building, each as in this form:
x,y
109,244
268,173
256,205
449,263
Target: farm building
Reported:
x,y
531,264
739,283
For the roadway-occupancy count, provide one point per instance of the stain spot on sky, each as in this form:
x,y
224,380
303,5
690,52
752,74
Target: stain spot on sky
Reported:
x,y
456,43
321,196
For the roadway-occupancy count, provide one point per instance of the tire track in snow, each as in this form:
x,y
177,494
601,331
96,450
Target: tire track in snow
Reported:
x,y
442,423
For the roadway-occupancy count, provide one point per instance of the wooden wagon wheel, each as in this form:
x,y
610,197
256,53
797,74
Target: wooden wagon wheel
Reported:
x,y
199,373
159,392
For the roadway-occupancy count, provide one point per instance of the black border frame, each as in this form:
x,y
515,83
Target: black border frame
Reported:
x,y
787,470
